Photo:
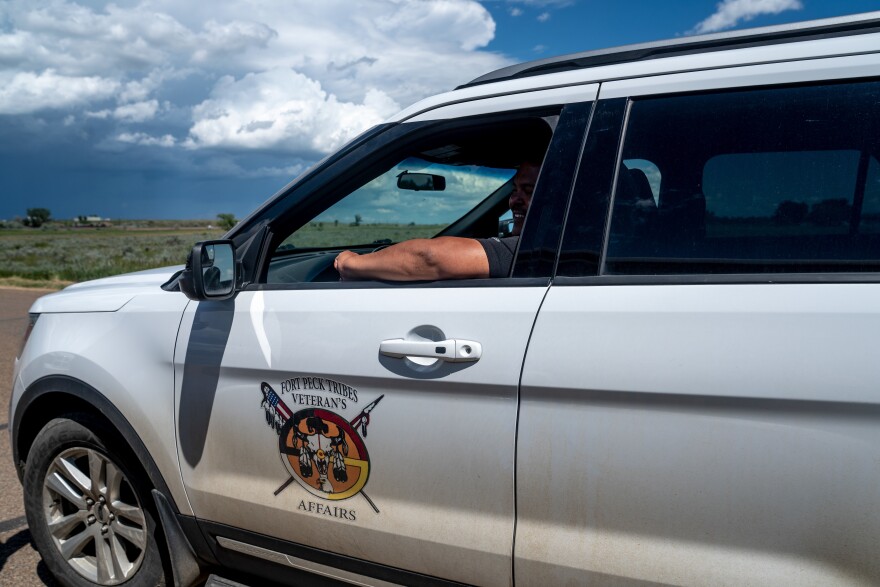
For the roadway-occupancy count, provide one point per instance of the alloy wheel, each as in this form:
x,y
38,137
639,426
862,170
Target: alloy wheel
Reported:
x,y
93,516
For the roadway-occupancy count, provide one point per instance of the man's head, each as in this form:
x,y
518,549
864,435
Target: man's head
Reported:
x,y
521,197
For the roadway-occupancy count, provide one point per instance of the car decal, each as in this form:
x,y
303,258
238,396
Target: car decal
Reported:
x,y
321,450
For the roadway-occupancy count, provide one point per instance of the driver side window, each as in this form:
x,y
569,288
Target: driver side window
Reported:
x,y
457,185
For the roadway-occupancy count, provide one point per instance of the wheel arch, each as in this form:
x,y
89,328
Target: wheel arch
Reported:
x,y
55,395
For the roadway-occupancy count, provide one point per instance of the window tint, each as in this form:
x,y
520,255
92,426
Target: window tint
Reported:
x,y
871,205
771,180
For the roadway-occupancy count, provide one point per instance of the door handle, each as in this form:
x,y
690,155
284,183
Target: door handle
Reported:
x,y
452,350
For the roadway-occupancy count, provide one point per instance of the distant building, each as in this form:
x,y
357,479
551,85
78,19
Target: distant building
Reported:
x,y
91,220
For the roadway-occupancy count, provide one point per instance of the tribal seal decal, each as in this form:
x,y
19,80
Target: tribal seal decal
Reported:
x,y
320,449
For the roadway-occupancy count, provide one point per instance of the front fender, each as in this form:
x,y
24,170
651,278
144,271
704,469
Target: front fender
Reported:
x,y
56,395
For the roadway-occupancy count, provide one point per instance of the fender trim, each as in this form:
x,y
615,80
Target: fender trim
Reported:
x,y
65,385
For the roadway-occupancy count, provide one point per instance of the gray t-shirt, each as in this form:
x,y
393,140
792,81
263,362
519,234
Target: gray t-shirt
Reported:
x,y
500,252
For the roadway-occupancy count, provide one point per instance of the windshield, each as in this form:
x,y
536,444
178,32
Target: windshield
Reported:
x,y
381,212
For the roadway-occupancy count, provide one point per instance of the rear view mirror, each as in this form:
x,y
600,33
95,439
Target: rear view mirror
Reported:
x,y
505,227
421,182
211,271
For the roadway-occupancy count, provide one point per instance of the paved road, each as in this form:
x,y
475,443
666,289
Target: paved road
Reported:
x,y
20,564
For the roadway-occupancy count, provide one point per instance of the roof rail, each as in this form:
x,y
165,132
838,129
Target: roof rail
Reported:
x,y
867,22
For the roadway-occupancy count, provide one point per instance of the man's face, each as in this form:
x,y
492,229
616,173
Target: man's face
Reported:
x,y
521,197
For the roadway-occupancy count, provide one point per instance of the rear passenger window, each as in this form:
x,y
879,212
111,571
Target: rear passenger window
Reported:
x,y
760,181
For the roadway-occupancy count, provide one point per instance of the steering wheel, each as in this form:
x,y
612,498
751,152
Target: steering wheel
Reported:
x,y
319,266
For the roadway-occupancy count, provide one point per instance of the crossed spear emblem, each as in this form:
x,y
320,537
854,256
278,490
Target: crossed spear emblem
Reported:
x,y
270,398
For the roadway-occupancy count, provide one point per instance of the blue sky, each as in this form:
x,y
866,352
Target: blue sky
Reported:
x,y
533,30
169,109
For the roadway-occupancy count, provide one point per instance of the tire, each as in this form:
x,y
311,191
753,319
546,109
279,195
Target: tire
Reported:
x,y
88,507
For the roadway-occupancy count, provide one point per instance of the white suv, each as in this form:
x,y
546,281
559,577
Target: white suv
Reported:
x,y
675,384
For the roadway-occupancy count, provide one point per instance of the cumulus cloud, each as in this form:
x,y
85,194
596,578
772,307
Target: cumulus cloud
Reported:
x,y
516,11
229,38
556,3
138,90
730,13
26,91
283,109
544,17
467,24
135,112
140,138
236,76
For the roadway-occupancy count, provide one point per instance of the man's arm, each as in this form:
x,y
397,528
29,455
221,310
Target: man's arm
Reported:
x,y
446,257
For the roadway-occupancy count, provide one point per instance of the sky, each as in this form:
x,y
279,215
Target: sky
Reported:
x,y
175,109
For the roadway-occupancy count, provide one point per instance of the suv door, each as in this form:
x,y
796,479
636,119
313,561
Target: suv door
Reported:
x,y
699,400
319,436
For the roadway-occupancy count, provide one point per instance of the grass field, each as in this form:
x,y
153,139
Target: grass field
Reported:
x,y
328,234
56,256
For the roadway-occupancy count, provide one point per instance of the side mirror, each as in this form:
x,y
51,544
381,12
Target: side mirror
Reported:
x,y
211,271
421,182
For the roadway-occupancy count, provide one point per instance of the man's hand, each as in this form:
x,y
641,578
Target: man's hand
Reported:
x,y
339,264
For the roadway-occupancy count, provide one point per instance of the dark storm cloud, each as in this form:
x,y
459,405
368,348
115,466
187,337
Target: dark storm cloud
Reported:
x,y
157,108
